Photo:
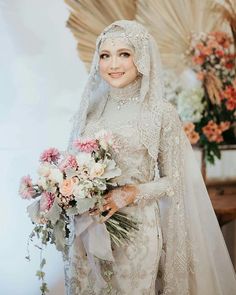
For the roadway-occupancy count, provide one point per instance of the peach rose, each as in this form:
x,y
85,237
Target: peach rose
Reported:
x,y
67,187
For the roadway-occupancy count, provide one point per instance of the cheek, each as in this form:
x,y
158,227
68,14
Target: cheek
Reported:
x,y
102,67
131,69
130,66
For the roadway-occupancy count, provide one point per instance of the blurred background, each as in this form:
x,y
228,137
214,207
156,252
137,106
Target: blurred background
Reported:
x,y
41,80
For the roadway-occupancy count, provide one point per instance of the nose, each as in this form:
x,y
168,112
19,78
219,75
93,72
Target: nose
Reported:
x,y
114,63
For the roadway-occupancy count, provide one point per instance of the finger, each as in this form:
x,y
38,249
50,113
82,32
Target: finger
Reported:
x,y
94,212
104,219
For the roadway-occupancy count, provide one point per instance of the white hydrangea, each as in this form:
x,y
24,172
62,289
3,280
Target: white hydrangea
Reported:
x,y
190,105
172,86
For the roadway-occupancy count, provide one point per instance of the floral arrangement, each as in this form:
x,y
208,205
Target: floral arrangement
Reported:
x,y
71,185
209,112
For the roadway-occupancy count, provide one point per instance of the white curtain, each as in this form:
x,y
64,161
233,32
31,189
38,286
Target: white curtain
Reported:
x,y
41,78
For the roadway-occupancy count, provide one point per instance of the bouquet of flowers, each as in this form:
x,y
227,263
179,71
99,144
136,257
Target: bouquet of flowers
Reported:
x,y
71,185
209,111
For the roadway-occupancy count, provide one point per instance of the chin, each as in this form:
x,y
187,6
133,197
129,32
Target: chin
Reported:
x,y
118,83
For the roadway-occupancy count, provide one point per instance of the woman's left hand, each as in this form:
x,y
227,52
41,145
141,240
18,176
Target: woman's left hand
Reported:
x,y
117,199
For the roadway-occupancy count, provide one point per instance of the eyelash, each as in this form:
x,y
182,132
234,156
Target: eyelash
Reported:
x,y
105,55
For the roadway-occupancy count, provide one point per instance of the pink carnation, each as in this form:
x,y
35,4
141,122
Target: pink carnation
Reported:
x,y
46,201
87,145
69,162
26,189
51,155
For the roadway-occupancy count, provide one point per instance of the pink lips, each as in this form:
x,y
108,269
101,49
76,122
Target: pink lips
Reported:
x,y
116,75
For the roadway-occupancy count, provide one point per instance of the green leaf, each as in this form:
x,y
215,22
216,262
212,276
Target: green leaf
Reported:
x,y
54,213
72,211
59,234
40,274
44,288
34,211
83,205
43,262
111,170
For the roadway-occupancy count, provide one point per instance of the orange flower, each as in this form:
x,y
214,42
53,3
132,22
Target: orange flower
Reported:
x,y
213,132
200,76
199,46
224,126
193,137
212,44
199,59
230,104
206,50
188,127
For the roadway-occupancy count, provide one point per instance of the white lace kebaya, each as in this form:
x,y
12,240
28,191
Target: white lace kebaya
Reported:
x,y
179,248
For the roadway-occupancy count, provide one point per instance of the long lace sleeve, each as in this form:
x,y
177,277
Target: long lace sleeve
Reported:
x,y
165,183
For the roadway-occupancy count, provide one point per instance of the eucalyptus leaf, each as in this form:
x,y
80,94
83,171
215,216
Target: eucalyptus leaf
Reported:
x,y
111,170
72,211
59,234
54,213
83,205
34,211
70,172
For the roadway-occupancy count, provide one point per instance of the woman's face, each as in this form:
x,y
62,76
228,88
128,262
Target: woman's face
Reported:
x,y
116,63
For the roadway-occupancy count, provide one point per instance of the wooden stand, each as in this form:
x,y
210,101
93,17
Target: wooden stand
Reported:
x,y
222,193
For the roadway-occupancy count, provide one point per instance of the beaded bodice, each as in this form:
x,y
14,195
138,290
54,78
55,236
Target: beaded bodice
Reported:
x,y
132,156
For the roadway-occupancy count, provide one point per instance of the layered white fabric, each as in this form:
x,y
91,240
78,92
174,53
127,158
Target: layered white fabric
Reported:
x,y
179,249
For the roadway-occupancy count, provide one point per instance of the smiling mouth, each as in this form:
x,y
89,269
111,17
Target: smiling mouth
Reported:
x,y
116,75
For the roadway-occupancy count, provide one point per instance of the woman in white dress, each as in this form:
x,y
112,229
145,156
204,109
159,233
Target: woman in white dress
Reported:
x,y
179,249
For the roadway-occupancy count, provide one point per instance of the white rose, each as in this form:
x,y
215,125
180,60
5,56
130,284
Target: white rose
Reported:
x,y
55,175
97,170
44,170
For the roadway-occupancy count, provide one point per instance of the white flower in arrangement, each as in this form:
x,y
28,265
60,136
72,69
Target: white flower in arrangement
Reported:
x,y
105,138
97,170
84,159
190,105
172,86
55,175
44,170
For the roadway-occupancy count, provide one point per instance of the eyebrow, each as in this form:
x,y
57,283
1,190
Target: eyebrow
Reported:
x,y
119,50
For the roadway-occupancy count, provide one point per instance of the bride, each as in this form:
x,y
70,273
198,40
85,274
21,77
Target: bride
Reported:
x,y
179,248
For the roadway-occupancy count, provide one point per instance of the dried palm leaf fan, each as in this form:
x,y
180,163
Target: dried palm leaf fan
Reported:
x,y
89,17
172,24
227,10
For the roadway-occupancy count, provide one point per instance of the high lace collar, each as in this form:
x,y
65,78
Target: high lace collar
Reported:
x,y
127,94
